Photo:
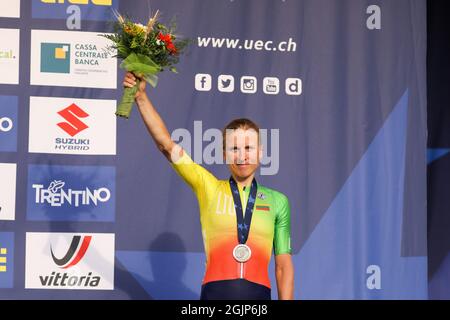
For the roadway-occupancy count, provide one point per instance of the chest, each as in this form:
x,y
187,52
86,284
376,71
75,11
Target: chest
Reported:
x,y
221,214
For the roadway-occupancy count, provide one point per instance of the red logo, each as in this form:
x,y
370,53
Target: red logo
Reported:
x,y
75,252
72,114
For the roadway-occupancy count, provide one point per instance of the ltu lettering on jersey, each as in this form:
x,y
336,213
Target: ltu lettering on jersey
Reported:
x,y
212,153
56,196
225,204
94,2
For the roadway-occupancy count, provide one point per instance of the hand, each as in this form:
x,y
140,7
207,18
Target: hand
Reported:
x,y
130,81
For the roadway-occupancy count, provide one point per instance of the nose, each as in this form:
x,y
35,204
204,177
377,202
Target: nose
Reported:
x,y
242,156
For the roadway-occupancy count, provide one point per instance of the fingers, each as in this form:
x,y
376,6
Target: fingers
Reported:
x,y
129,81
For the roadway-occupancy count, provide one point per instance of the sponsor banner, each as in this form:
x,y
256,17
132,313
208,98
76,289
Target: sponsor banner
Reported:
x,y
72,126
69,261
8,123
7,191
6,259
72,59
9,56
10,9
71,193
97,10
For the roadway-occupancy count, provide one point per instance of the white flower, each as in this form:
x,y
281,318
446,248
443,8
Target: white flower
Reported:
x,y
141,26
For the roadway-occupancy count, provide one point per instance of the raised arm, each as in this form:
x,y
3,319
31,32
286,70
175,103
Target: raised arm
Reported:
x,y
155,125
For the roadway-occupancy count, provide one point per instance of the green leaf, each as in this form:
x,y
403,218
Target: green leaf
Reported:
x,y
142,65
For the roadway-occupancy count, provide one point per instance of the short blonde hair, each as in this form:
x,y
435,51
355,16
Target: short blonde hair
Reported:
x,y
241,123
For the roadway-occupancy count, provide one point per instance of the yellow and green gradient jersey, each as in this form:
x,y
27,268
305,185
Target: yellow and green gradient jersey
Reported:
x,y
270,226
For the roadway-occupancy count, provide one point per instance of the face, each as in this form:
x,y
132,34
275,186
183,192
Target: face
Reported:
x,y
242,152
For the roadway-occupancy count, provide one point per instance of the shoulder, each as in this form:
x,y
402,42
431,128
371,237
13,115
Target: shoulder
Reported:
x,y
223,183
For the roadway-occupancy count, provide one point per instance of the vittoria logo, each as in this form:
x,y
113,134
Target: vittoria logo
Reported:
x,y
69,261
72,115
72,257
75,251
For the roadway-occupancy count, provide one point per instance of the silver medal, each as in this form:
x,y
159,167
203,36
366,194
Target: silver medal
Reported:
x,y
242,253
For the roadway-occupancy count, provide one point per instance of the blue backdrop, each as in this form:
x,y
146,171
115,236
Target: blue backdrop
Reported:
x,y
340,88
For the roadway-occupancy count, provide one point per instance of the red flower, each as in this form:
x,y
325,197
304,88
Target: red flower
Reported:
x,y
167,39
171,47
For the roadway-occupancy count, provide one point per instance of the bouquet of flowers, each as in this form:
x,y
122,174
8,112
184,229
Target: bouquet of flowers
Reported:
x,y
146,50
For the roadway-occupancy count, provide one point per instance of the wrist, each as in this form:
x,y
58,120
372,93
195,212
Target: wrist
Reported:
x,y
141,98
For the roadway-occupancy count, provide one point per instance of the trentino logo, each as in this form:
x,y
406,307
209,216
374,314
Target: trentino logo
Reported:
x,y
56,196
71,193
55,57
74,125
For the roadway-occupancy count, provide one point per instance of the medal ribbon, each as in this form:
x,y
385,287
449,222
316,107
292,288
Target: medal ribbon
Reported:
x,y
243,223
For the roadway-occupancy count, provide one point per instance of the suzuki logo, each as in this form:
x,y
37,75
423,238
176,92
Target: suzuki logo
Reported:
x,y
72,114
6,124
75,252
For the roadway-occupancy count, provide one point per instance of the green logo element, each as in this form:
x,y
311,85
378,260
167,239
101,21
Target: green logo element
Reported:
x,y
55,57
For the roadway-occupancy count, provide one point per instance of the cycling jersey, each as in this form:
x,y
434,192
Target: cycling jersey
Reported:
x,y
270,225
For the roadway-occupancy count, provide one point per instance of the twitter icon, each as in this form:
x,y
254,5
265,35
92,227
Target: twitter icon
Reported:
x,y
225,83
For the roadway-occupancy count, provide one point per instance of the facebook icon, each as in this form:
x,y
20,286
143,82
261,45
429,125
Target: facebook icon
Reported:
x,y
203,82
